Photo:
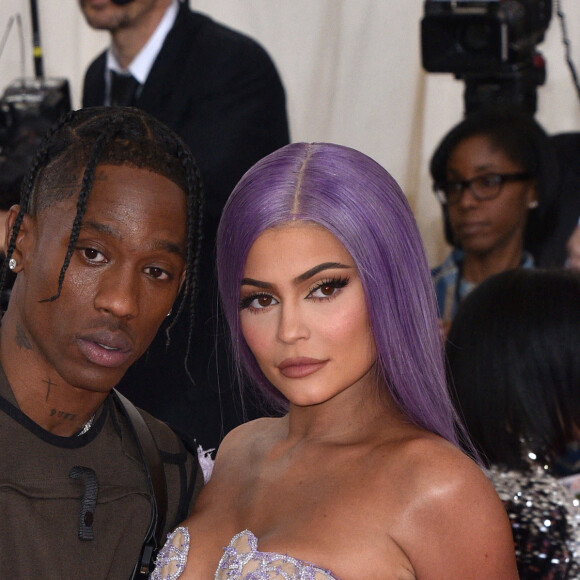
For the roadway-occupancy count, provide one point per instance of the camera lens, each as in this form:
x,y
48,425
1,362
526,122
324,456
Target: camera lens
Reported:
x,y
476,37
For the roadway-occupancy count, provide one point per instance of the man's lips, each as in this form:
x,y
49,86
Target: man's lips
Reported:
x,y
105,348
299,367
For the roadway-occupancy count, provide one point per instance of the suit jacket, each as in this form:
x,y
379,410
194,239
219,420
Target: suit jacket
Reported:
x,y
552,251
220,91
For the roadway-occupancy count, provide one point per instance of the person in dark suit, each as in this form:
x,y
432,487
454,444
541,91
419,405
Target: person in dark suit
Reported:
x,y
220,91
562,246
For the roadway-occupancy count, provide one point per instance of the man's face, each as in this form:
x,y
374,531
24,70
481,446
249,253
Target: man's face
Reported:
x,y
105,15
123,277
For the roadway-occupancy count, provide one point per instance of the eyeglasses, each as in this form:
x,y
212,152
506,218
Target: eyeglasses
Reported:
x,y
483,187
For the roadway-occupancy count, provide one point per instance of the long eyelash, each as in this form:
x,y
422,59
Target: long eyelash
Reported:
x,y
339,282
245,302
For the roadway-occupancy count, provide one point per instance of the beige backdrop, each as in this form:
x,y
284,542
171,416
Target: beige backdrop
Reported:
x,y
352,74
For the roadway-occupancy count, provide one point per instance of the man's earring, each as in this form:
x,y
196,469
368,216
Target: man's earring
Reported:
x,y
533,204
169,313
12,263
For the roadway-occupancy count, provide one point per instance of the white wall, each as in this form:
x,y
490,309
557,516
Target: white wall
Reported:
x,y
352,73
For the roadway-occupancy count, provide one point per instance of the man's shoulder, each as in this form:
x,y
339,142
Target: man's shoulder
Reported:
x,y
98,63
172,445
215,39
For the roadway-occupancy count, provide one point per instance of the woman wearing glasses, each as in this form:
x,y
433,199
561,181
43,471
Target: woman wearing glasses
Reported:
x,y
494,174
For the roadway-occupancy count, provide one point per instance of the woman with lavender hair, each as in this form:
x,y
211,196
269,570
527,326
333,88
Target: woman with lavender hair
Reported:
x,y
329,300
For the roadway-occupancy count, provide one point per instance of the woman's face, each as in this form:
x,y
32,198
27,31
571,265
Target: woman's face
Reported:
x,y
304,316
485,226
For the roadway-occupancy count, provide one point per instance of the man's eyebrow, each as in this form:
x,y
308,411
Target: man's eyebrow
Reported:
x,y
163,245
99,227
308,274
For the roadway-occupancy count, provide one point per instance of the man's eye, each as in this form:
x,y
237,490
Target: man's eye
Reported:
x,y
93,255
157,273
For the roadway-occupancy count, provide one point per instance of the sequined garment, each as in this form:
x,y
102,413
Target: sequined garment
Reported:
x,y
172,558
545,522
241,561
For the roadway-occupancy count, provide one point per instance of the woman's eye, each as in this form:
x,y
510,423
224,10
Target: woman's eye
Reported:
x,y
93,255
327,289
490,181
258,301
324,291
262,301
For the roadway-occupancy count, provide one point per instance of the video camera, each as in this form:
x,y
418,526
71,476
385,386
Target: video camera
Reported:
x,y
491,45
28,108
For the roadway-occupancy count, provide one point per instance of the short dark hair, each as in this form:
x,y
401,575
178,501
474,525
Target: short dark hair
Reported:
x,y
514,364
89,137
526,143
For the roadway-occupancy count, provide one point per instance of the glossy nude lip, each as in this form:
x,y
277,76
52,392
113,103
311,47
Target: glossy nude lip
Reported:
x,y
299,367
105,348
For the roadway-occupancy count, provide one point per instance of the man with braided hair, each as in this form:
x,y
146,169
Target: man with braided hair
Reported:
x,y
220,91
105,239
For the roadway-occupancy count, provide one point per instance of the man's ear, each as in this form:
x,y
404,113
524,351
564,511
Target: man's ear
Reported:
x,y
24,239
182,281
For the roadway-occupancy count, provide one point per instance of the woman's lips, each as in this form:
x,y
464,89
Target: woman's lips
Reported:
x,y
470,229
297,368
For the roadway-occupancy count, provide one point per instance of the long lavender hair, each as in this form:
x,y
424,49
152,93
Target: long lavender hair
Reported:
x,y
354,198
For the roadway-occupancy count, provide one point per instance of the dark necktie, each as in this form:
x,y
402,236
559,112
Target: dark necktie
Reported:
x,y
123,89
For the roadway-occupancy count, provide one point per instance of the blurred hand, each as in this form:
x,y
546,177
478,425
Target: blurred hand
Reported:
x,y
444,326
573,248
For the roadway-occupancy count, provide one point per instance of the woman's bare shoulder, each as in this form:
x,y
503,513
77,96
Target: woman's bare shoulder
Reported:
x,y
247,442
452,523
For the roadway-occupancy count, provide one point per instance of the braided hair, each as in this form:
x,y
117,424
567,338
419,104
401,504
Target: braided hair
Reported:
x,y
86,138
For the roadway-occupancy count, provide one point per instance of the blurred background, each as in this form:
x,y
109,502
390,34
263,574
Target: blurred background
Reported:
x,y
352,71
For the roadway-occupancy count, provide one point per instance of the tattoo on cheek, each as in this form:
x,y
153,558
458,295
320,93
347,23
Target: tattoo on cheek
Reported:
x,y
63,415
22,339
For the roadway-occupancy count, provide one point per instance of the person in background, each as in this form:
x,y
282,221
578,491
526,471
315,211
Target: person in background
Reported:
x,y
495,174
106,234
219,91
562,246
514,368
327,293
573,249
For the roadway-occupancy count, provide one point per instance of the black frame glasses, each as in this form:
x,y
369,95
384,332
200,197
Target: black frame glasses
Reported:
x,y
482,187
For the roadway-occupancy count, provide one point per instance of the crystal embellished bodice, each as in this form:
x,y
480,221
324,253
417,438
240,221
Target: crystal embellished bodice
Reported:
x,y
241,561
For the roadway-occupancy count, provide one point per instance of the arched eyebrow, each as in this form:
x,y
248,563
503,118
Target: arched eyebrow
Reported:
x,y
302,277
320,268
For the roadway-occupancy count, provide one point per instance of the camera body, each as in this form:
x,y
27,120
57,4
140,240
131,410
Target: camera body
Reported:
x,y
490,44
28,108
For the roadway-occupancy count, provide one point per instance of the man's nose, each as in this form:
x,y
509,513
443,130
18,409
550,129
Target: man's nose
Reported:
x,y
118,293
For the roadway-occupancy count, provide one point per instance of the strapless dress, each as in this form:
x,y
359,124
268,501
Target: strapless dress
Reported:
x,y
241,561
